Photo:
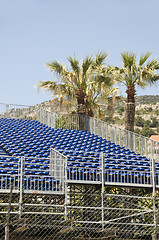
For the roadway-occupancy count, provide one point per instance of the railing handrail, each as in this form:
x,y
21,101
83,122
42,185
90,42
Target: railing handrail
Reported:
x,y
67,114
20,105
115,134
136,134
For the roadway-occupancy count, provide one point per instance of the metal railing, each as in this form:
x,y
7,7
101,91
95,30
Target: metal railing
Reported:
x,y
17,111
103,170
129,140
58,165
30,175
88,212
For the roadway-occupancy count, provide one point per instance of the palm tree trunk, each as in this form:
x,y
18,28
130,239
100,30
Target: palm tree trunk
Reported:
x,y
130,109
110,108
90,112
81,110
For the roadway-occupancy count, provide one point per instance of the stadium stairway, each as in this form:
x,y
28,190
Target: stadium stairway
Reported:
x,y
3,152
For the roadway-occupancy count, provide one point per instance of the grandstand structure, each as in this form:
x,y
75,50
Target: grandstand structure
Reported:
x,y
66,183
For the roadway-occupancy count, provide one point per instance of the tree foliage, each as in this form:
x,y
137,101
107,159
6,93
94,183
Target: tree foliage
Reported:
x,y
85,81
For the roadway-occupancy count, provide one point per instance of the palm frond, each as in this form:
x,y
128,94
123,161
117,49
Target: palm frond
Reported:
x,y
87,62
144,58
153,64
129,59
107,80
48,85
55,67
74,64
99,59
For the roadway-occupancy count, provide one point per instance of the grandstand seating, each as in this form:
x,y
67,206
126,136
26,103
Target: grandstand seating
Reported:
x,y
34,140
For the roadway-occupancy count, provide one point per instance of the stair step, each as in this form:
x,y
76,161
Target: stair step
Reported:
x,y
3,152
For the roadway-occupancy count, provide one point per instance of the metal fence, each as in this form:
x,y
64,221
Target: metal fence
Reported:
x,y
17,111
86,212
92,203
42,175
29,175
135,142
49,199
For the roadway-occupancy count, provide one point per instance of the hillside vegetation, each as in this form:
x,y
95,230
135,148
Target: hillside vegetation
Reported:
x,y
111,111
147,112
147,115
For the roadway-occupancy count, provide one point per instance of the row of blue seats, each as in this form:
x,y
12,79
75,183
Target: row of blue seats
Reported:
x,y
33,139
85,134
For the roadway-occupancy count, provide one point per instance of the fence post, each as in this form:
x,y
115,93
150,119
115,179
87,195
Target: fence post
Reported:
x,y
40,115
102,187
102,129
154,235
91,124
65,186
51,163
7,109
53,120
55,165
111,134
146,147
142,146
134,142
94,126
106,131
126,139
48,119
21,187
115,135
8,214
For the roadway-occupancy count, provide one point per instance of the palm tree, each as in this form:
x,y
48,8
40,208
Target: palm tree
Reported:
x,y
78,81
60,92
133,74
97,92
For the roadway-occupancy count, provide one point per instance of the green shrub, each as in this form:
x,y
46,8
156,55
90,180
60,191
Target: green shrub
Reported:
x,y
139,122
147,132
154,123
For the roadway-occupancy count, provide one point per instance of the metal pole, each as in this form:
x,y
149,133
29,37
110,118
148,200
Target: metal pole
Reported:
x,y
111,133
99,129
115,137
126,139
8,214
102,188
94,126
91,124
55,167
119,136
146,147
21,188
134,142
7,110
51,162
65,186
142,146
129,141
154,236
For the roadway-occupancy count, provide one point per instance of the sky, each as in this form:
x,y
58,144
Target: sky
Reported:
x,y
34,32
